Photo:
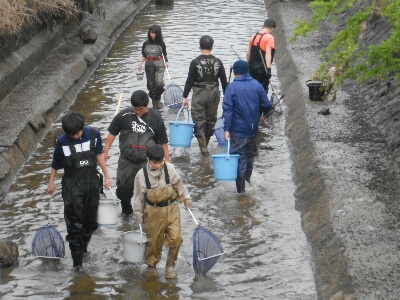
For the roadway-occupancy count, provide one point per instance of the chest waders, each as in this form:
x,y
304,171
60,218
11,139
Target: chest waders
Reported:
x,y
256,62
81,193
162,219
133,145
206,97
154,68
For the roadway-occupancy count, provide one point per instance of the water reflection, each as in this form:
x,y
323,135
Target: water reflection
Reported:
x,y
267,256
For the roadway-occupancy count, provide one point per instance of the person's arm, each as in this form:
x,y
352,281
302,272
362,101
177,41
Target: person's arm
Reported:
x,y
166,152
138,198
143,58
102,164
268,56
50,187
222,77
248,54
164,48
227,108
177,184
189,83
109,140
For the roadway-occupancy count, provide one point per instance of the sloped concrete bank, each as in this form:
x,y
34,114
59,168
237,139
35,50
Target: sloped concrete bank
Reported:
x,y
41,79
344,166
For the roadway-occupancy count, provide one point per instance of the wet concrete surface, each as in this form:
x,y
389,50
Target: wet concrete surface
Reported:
x,y
347,178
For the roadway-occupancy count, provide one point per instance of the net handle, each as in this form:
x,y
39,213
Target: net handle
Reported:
x,y
193,216
166,68
50,198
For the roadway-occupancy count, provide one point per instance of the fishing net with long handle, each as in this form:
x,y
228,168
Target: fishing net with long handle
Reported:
x,y
47,242
173,93
207,249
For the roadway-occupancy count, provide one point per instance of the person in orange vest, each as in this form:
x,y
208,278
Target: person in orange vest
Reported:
x,y
260,53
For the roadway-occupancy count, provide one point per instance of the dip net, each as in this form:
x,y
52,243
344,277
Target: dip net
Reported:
x,y
47,242
207,249
173,96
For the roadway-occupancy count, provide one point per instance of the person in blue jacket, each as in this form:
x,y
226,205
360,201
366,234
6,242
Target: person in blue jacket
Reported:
x,y
245,101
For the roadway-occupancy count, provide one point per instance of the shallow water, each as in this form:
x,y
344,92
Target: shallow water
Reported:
x,y
267,255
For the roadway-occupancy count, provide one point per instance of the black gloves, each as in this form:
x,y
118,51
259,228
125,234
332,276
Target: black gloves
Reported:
x,y
269,73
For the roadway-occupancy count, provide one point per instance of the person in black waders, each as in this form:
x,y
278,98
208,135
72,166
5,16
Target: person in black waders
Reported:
x,y
204,72
78,151
154,52
260,53
139,127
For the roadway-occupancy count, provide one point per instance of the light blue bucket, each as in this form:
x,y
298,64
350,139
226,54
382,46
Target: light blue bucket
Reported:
x,y
180,133
225,165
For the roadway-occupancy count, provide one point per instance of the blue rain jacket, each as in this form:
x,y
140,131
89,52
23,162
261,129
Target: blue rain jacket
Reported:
x,y
244,101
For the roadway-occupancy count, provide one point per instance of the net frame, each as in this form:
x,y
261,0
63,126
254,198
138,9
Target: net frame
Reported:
x,y
48,242
173,93
173,96
202,260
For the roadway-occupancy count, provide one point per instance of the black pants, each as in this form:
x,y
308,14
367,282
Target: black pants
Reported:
x,y
81,201
126,173
258,72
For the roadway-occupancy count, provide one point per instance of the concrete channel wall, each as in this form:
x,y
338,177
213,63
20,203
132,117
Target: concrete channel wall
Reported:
x,y
344,163
41,80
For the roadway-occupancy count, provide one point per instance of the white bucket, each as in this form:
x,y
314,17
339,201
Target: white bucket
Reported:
x,y
108,211
135,243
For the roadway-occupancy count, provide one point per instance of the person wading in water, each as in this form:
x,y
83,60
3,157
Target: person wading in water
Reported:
x,y
154,53
260,53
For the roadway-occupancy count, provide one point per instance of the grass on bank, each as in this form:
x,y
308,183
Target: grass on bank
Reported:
x,y
347,53
18,15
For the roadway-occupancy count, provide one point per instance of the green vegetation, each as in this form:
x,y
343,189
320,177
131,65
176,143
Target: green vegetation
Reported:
x,y
347,53
17,15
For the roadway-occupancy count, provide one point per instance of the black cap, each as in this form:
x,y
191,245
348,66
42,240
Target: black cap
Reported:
x,y
269,23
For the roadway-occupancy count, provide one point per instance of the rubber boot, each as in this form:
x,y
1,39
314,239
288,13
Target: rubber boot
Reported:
x,y
85,243
77,259
127,209
203,145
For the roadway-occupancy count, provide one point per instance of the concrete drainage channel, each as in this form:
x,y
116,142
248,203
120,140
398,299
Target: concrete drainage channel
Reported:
x,y
26,119
35,101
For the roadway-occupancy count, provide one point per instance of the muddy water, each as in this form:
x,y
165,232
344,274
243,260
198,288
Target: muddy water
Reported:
x,y
267,256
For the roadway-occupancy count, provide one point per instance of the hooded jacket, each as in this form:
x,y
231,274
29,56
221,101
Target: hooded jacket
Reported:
x,y
244,101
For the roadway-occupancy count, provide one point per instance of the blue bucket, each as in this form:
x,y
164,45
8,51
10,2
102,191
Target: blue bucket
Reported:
x,y
180,133
219,132
225,165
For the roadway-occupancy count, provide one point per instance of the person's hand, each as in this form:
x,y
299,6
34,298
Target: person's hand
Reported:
x,y
187,203
50,188
108,183
226,135
269,74
140,67
138,220
185,102
105,156
166,64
